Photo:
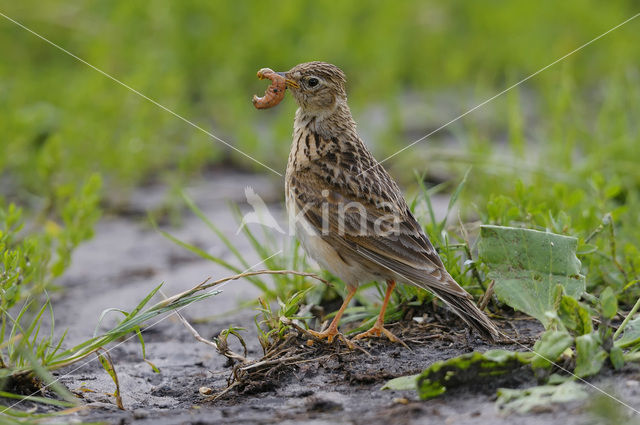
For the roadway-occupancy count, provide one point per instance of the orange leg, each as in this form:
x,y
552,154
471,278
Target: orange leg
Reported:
x,y
332,331
378,328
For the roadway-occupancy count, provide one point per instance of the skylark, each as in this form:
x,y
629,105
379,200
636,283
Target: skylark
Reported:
x,y
349,214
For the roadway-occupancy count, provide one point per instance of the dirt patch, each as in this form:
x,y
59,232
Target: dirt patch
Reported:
x,y
327,383
322,384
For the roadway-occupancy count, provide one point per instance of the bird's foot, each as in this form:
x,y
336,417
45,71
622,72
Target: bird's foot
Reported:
x,y
379,330
330,334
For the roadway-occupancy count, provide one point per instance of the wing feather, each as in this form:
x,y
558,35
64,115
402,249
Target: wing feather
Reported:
x,y
387,235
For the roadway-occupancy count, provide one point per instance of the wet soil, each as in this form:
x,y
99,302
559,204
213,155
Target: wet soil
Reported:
x,y
328,385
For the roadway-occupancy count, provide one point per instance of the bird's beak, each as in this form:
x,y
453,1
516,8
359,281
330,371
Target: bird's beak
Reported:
x,y
288,81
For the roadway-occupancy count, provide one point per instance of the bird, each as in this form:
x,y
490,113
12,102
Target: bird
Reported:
x,y
349,214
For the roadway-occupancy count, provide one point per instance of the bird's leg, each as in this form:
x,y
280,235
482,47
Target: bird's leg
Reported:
x,y
378,328
332,331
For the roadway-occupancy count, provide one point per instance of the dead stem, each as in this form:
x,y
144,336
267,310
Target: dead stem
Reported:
x,y
221,346
289,351
206,284
515,330
484,301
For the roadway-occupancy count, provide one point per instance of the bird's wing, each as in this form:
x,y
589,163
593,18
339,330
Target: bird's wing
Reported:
x,y
376,226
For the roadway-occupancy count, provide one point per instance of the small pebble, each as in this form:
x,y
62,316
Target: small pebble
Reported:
x,y
205,391
102,405
401,400
140,413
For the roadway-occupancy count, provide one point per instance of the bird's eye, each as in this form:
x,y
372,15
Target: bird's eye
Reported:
x,y
313,81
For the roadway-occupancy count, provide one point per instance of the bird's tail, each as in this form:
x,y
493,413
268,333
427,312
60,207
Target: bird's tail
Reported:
x,y
464,307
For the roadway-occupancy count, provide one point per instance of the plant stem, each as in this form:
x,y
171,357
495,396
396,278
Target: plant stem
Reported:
x,y
608,220
626,319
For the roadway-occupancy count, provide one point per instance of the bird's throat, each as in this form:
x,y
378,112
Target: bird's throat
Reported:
x,y
327,123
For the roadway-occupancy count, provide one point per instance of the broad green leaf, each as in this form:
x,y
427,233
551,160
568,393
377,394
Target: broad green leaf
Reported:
x,y
527,265
631,334
590,355
549,347
616,356
473,367
402,383
531,399
574,316
557,379
608,303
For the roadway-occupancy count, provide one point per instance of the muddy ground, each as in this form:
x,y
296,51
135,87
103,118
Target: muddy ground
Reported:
x,y
333,385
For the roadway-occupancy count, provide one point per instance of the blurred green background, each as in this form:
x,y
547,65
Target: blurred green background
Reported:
x,y
411,65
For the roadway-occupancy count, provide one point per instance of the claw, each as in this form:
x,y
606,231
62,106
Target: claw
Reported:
x,y
330,334
377,331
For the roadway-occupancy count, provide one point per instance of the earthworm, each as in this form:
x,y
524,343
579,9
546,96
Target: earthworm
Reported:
x,y
274,93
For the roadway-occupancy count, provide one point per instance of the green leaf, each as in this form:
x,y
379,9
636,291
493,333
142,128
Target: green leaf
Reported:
x,y
557,379
527,265
473,367
608,303
402,383
574,316
549,348
36,399
144,301
631,334
590,356
45,375
531,399
144,351
454,198
616,356
107,365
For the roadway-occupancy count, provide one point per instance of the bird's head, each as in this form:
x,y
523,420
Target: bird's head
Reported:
x,y
318,87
